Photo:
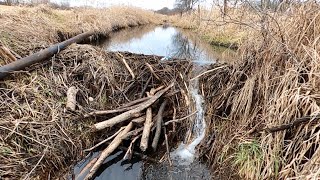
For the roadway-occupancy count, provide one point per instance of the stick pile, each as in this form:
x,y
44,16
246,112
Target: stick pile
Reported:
x,y
139,121
85,98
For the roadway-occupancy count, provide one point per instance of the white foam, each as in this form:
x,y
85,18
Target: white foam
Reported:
x,y
185,153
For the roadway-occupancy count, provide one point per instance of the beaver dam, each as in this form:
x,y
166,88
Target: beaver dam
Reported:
x,y
156,102
108,105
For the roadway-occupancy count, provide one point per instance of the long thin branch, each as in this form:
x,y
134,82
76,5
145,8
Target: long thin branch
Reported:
x,y
159,125
104,141
105,153
296,122
129,114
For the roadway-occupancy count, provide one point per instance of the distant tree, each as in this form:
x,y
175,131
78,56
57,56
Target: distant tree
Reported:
x,y
186,5
164,10
40,1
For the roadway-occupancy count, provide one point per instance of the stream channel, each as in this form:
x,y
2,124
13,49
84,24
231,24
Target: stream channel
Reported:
x,y
168,42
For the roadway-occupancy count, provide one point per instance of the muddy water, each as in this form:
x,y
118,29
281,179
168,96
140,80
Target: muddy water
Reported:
x,y
168,42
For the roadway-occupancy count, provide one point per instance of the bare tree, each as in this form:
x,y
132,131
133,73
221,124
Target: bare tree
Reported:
x,y
186,5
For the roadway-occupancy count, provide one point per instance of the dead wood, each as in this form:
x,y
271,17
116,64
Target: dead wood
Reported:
x,y
4,51
296,122
177,120
41,55
129,114
152,71
167,145
104,141
147,125
159,125
105,153
126,65
87,167
72,98
145,87
123,108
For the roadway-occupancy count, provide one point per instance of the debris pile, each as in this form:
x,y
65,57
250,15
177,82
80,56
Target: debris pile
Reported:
x,y
86,98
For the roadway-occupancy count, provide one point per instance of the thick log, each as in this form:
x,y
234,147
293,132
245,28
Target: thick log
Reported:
x,y
41,55
159,125
129,114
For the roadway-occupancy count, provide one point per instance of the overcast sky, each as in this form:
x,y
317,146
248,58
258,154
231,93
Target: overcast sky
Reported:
x,y
146,4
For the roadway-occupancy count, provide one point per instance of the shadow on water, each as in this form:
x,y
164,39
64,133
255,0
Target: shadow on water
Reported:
x,y
114,167
168,42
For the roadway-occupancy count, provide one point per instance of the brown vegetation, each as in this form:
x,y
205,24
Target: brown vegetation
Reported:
x,y
39,135
274,83
25,30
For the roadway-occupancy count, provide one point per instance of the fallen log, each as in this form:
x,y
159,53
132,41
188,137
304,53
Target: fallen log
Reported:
x,y
159,125
41,55
129,114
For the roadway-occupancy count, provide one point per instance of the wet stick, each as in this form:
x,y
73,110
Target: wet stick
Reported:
x,y
129,114
147,126
159,124
105,153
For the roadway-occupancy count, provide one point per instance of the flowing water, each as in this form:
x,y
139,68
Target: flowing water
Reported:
x,y
168,42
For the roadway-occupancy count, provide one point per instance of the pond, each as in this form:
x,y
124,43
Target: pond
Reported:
x,y
168,42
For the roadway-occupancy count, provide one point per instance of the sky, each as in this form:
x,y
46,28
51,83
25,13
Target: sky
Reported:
x,y
145,4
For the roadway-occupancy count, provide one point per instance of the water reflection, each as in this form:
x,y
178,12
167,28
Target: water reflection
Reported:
x,y
113,168
165,41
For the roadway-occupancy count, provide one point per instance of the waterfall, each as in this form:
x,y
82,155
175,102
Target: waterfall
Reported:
x,y
185,153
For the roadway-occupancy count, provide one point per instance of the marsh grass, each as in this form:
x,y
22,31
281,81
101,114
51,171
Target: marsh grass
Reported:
x,y
274,82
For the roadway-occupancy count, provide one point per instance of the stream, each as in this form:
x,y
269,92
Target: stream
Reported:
x,y
168,42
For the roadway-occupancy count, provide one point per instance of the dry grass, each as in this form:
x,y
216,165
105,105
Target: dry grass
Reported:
x,y
228,31
39,138
25,30
275,81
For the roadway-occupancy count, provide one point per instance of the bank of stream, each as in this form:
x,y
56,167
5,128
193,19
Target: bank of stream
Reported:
x,y
168,42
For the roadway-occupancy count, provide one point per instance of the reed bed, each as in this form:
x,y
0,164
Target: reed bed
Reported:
x,y
227,31
263,111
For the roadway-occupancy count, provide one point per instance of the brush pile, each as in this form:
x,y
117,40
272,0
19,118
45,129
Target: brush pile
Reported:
x,y
53,111
263,112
